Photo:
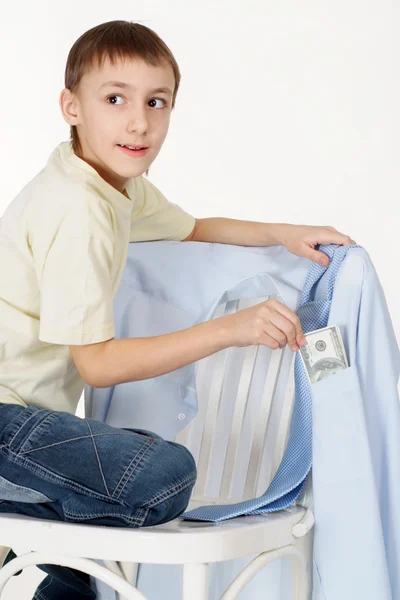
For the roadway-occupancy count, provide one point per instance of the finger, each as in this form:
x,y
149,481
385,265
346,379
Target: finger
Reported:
x,y
283,330
318,257
339,238
345,238
276,334
267,340
291,316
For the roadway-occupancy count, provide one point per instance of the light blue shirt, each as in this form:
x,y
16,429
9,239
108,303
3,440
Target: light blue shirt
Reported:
x,y
168,286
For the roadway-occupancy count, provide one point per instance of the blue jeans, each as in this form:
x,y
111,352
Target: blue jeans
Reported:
x,y
55,465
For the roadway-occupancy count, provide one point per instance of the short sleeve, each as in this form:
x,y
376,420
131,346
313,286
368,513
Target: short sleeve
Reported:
x,y
154,217
75,280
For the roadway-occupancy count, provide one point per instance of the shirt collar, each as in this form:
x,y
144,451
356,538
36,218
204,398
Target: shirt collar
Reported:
x,y
65,154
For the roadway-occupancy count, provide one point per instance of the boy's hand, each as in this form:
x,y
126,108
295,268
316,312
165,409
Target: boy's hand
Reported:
x,y
302,239
269,323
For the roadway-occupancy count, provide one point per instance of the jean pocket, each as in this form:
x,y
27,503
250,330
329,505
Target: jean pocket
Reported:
x,y
340,443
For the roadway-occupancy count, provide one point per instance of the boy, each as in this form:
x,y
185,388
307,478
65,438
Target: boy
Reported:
x,y
63,247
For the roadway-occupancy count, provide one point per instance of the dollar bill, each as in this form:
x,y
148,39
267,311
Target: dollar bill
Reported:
x,y
324,353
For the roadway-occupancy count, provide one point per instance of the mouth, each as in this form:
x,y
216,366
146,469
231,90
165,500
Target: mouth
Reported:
x,y
133,150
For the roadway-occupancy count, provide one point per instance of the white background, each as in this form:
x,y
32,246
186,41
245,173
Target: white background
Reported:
x,y
287,112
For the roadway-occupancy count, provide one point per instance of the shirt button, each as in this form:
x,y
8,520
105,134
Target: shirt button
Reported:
x,y
181,416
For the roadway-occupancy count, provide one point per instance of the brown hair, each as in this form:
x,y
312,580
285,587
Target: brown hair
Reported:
x,y
113,40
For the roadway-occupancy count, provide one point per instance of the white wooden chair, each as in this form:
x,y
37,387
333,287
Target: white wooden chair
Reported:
x,y
238,439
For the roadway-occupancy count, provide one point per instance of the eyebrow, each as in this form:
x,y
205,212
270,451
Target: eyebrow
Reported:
x,y
122,84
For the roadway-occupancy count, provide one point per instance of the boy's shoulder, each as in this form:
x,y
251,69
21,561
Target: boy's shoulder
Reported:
x,y
57,199
58,186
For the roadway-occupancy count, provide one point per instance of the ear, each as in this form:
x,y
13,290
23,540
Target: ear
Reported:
x,y
69,106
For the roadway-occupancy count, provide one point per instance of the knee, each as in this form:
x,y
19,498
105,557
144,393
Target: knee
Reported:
x,y
171,483
184,456
176,468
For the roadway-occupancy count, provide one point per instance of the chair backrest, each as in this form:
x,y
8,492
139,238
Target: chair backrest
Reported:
x,y
245,402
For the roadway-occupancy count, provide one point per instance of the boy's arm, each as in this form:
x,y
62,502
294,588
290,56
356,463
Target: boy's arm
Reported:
x,y
132,359
300,240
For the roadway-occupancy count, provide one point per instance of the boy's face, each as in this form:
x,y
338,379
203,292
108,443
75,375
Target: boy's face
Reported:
x,y
107,115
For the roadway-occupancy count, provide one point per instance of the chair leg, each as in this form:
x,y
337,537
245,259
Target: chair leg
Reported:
x,y
129,571
195,582
303,568
81,564
260,562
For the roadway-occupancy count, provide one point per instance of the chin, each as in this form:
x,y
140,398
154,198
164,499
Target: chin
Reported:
x,y
130,171
134,172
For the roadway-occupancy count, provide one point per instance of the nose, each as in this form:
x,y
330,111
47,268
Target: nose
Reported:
x,y
138,120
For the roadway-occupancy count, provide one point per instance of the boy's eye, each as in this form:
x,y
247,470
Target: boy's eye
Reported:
x,y
112,97
160,99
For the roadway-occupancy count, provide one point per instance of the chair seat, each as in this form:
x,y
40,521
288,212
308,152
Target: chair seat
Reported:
x,y
175,542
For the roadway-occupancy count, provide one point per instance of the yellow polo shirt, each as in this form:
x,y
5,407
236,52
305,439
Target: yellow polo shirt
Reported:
x,y
63,248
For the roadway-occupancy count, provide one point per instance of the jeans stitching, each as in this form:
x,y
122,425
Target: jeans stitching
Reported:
x,y
82,437
38,595
39,469
170,492
42,420
57,478
130,468
20,427
98,457
88,516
